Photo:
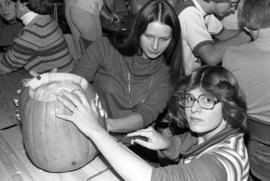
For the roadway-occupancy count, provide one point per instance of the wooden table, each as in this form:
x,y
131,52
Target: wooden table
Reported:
x,y
14,163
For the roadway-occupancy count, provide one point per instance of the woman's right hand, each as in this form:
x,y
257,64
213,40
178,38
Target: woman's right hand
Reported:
x,y
84,115
155,141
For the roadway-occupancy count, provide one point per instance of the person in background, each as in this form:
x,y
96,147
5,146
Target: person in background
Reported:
x,y
135,6
9,24
230,21
132,76
83,18
40,46
204,37
208,102
250,64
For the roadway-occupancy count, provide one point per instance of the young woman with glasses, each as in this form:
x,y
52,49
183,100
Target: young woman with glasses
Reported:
x,y
209,104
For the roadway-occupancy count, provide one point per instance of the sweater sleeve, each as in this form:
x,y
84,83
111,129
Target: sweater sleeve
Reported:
x,y
207,167
19,54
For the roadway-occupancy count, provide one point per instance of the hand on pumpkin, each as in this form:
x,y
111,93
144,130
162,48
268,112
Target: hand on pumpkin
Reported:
x,y
155,140
84,115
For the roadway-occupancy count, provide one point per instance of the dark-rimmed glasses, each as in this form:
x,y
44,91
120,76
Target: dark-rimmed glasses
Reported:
x,y
205,101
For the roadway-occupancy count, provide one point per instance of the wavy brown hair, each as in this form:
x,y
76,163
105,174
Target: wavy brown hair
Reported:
x,y
218,82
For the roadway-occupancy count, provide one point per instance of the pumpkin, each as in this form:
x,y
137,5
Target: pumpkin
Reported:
x,y
53,144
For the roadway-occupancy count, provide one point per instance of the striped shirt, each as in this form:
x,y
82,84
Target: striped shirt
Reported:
x,y
40,47
226,160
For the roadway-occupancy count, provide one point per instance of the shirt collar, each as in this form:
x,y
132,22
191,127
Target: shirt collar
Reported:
x,y
28,17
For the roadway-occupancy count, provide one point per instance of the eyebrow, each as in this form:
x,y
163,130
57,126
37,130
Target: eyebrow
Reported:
x,y
150,34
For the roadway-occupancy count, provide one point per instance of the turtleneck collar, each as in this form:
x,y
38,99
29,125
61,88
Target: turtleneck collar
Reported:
x,y
28,17
142,67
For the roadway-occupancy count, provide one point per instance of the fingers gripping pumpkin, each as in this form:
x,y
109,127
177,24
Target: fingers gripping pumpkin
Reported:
x,y
53,144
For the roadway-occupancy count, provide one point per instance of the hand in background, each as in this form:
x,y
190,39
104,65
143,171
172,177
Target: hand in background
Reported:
x,y
155,140
115,18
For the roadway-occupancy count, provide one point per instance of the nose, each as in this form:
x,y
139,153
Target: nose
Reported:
x,y
196,106
155,45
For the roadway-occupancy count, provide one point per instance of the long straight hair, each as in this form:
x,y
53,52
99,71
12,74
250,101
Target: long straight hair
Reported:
x,y
161,11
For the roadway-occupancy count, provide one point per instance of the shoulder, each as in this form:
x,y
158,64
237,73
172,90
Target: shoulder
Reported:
x,y
41,22
102,47
102,42
233,156
191,17
182,6
41,27
235,143
189,10
236,54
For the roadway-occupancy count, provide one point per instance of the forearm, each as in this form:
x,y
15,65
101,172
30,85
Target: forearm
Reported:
x,y
212,54
85,116
227,34
126,124
125,162
237,39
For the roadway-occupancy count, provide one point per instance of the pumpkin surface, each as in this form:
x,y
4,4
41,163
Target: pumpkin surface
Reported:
x,y
53,144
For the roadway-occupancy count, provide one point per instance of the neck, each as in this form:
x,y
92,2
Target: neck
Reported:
x,y
13,21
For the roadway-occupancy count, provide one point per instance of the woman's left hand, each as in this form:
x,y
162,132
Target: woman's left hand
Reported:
x,y
155,141
84,115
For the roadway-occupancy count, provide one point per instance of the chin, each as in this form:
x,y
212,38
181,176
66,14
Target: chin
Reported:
x,y
152,57
195,129
198,128
10,19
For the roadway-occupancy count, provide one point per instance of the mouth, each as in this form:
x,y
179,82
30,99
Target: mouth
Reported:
x,y
153,53
193,119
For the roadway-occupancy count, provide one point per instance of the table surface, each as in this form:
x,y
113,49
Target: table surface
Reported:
x,y
14,163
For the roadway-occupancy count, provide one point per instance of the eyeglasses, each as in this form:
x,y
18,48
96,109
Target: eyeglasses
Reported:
x,y
205,101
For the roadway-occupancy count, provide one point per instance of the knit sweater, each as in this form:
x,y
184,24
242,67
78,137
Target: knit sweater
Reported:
x,y
39,47
126,85
221,158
